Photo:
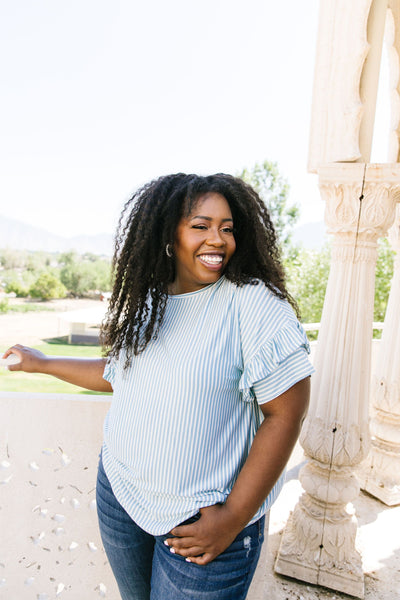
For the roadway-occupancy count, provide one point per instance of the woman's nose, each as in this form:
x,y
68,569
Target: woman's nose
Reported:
x,y
214,238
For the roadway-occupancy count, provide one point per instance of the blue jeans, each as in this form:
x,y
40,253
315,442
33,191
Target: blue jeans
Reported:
x,y
145,569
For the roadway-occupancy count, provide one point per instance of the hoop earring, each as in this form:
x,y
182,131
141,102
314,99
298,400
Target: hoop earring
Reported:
x,y
168,250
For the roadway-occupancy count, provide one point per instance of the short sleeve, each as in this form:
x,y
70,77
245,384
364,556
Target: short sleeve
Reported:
x,y
109,372
292,370
274,346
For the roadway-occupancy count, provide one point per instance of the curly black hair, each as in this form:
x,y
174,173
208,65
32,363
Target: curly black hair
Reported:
x,y
143,271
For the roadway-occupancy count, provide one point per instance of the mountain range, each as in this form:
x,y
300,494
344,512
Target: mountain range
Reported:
x,y
18,235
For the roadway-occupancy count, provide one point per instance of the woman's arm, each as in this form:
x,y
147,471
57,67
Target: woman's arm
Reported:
x,y
219,524
85,372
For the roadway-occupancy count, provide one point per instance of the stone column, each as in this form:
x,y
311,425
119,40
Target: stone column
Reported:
x,y
318,543
380,475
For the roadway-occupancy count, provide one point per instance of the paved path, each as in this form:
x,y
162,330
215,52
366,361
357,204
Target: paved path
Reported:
x,y
31,328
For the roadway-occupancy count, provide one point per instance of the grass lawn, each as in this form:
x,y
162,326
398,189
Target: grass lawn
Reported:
x,y
24,308
17,381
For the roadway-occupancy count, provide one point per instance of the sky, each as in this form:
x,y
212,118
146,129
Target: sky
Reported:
x,y
100,96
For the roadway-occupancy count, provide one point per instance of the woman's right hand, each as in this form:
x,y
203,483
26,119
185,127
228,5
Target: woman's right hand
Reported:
x,y
83,372
31,361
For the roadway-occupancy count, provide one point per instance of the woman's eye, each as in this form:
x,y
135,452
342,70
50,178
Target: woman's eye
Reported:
x,y
204,227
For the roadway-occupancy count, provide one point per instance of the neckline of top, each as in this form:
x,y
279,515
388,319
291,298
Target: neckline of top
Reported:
x,y
200,291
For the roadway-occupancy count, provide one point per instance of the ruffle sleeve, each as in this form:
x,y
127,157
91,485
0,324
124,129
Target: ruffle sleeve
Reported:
x,y
287,341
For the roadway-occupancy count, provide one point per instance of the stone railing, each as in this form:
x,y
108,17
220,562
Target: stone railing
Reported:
x,y
50,544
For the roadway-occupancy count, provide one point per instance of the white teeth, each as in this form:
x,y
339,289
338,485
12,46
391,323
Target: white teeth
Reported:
x,y
212,259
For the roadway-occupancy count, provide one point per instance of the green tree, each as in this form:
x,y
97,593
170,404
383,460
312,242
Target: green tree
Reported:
x,y
69,258
81,276
18,287
47,286
273,189
102,275
4,305
18,281
383,277
37,261
307,277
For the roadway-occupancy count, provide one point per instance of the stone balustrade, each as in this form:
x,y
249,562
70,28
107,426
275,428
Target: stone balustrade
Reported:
x,y
50,545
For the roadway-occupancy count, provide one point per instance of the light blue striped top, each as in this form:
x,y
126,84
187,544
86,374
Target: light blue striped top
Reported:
x,y
184,413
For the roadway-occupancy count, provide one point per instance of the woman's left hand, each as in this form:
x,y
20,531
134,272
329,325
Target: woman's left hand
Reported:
x,y
219,524
202,541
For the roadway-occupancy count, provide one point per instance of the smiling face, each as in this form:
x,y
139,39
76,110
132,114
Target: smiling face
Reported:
x,y
204,244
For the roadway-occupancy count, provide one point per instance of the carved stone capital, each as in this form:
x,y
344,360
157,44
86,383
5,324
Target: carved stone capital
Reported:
x,y
360,200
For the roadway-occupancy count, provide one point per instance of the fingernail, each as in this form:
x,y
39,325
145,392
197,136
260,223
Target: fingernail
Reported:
x,y
188,560
165,543
172,550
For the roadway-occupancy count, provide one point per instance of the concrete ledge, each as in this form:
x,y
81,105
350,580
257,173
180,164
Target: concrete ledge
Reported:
x,y
49,446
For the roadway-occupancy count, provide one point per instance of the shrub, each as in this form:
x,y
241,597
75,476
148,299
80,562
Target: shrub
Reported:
x,y
47,286
19,288
4,305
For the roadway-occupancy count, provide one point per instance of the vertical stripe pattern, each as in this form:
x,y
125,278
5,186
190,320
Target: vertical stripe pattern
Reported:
x,y
183,415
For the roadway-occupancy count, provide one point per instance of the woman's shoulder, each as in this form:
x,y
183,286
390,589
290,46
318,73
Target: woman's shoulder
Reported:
x,y
257,303
255,293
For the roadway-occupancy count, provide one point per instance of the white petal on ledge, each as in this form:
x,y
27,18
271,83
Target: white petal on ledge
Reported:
x,y
59,518
48,451
60,588
4,464
34,466
38,538
75,503
73,546
29,580
65,460
102,590
92,546
7,480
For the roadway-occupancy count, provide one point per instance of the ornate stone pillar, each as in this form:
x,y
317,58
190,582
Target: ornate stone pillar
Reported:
x,y
318,543
380,475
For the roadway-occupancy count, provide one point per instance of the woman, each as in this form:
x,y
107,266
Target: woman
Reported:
x,y
210,377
